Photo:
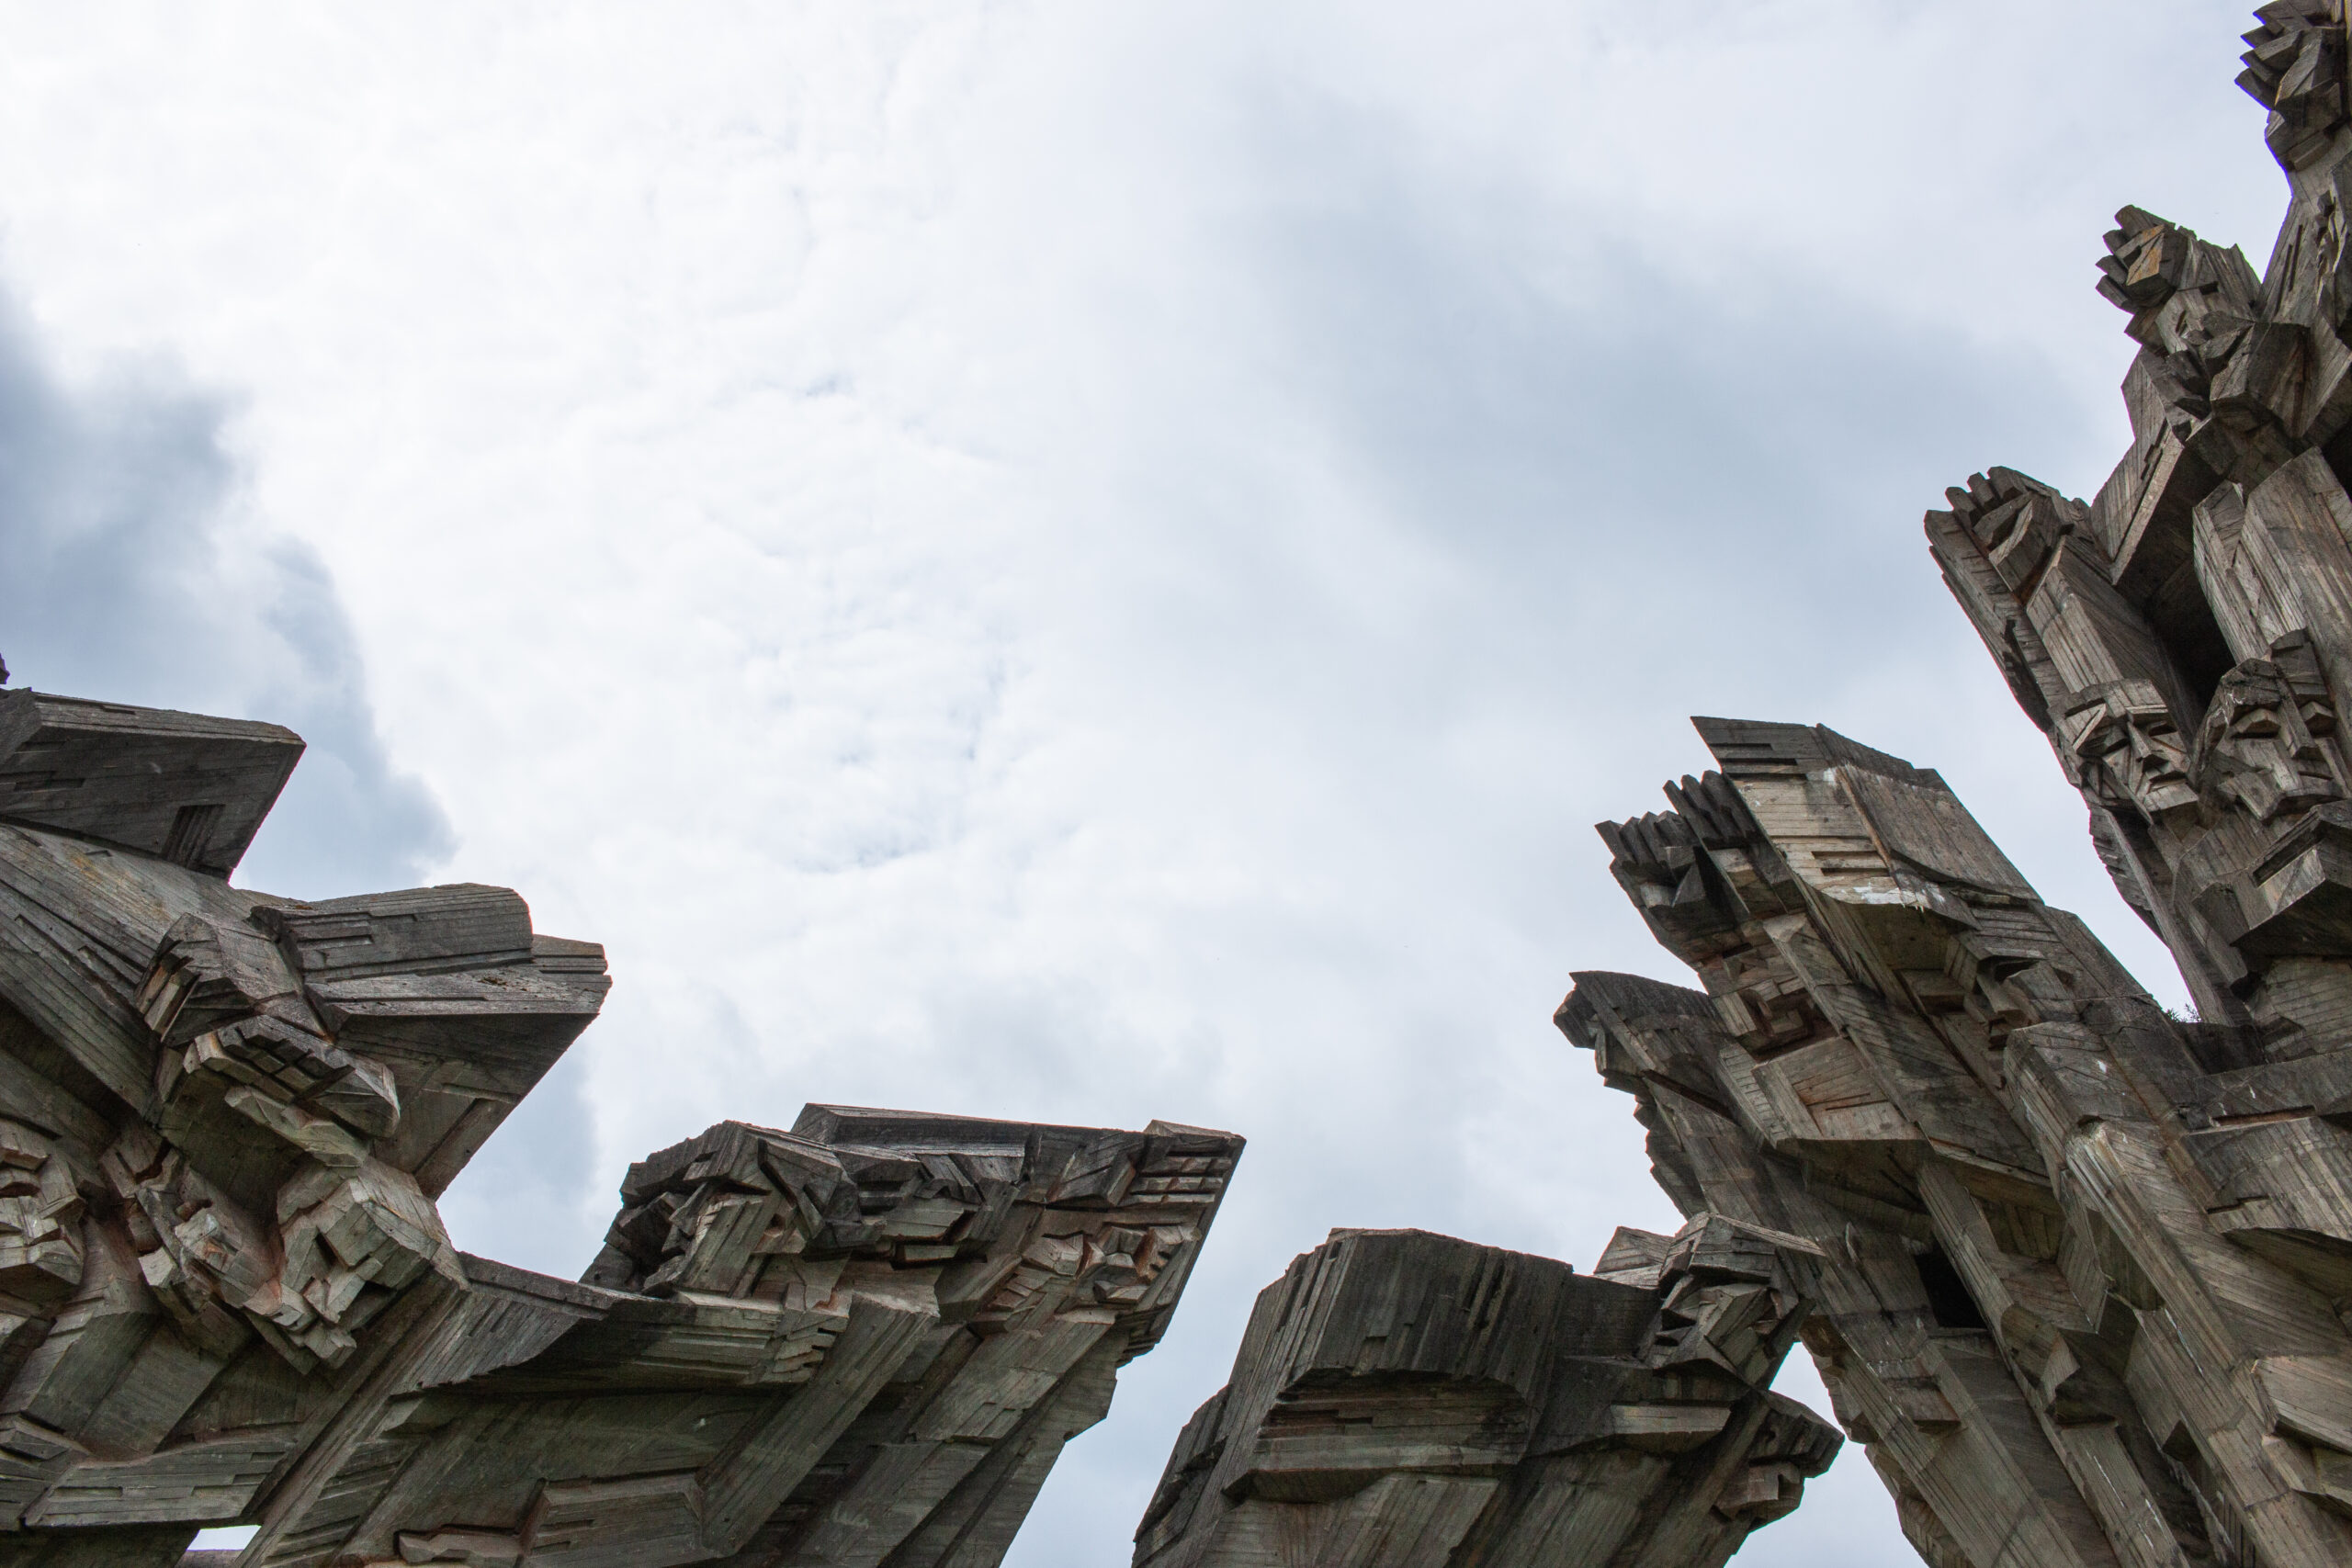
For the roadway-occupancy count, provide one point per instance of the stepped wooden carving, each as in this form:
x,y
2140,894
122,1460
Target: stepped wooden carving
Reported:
x,y
2077,1271
2087,1267
1403,1400
226,1294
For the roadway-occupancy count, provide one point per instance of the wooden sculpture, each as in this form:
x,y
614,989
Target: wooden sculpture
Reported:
x,y
2087,1267
1403,1400
226,1294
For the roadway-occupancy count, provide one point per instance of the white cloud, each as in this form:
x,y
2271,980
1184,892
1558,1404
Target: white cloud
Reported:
x,y
1092,563
131,568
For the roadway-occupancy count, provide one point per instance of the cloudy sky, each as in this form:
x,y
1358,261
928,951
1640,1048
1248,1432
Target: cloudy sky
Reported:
x,y
1073,562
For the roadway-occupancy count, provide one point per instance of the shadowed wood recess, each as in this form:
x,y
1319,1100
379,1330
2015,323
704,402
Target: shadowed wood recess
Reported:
x,y
226,1296
1403,1400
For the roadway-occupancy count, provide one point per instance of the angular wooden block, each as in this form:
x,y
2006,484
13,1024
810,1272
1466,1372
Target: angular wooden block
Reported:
x,y
186,788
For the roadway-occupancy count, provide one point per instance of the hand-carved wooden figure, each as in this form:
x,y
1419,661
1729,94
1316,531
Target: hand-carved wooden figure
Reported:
x,y
226,1294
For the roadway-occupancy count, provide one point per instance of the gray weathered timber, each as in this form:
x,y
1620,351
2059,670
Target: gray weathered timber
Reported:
x,y
226,1295
2086,1269
2081,1270
183,787
1403,1400
835,1345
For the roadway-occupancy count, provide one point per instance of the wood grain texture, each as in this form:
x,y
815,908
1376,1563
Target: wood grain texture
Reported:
x,y
2087,1267
189,789
1408,1399
226,1295
2079,1268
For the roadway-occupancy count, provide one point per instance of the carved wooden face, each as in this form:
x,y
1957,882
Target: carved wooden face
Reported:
x,y
2255,751
2126,733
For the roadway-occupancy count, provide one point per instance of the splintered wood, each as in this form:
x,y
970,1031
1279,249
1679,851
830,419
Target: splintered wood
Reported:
x,y
226,1295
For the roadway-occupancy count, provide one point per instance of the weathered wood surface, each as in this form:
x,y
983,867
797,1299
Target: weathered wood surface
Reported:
x,y
226,1295
2087,1276
183,787
1403,1400
797,1346
2082,1270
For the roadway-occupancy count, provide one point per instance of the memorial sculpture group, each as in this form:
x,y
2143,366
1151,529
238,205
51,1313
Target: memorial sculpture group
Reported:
x,y
226,1295
2076,1272
2083,1269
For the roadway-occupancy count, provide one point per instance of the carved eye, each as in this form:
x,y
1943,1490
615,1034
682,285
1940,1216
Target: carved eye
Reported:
x,y
2112,734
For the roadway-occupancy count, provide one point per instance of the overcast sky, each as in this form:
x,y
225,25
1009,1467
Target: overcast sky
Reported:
x,y
1074,562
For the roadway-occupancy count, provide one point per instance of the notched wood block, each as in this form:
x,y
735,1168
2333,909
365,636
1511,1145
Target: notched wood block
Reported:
x,y
183,787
